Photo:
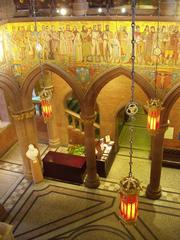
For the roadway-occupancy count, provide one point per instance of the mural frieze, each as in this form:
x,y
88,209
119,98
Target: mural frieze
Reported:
x,y
86,49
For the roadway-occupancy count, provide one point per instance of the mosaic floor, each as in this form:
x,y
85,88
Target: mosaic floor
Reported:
x,y
62,211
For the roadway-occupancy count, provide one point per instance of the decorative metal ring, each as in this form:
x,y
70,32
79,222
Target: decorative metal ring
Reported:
x,y
131,109
157,52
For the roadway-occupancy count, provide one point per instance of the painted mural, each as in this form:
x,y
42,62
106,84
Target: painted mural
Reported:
x,y
86,49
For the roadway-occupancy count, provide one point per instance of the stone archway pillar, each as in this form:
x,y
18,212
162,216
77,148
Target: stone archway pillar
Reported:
x,y
153,190
26,131
92,178
54,140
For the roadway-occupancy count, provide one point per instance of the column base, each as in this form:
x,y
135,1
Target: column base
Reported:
x,y
28,176
150,193
2,213
92,183
54,143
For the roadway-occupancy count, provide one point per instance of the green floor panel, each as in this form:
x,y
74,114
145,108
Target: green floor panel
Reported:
x,y
141,137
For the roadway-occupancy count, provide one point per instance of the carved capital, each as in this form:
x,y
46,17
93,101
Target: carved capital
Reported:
x,y
163,128
22,115
88,118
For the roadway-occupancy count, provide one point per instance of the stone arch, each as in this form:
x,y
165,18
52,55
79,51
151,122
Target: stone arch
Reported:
x,y
103,79
169,101
12,91
32,77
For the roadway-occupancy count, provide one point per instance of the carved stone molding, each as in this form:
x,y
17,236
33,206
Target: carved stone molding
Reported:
x,y
23,114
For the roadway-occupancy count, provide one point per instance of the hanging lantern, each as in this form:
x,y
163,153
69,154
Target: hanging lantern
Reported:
x,y
46,106
128,206
154,113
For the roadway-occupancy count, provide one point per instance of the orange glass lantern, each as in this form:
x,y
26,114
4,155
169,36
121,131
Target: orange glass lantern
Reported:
x,y
46,106
154,113
46,109
128,206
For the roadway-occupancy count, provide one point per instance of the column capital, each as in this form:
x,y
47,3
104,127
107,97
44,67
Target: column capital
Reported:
x,y
88,118
24,114
162,129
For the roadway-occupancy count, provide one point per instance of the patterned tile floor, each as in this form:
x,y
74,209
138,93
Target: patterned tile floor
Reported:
x,y
43,211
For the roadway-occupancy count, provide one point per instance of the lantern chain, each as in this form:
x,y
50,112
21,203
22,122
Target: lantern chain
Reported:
x,y
133,48
131,130
37,42
158,53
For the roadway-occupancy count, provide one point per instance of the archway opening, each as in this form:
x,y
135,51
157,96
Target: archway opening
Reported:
x,y
141,138
40,124
75,124
112,99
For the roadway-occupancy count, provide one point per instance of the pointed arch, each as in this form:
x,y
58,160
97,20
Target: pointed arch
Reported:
x,y
11,89
33,77
103,79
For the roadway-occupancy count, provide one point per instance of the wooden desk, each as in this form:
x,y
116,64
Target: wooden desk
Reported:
x,y
64,166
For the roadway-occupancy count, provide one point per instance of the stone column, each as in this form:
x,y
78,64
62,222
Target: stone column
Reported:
x,y
92,178
54,140
153,190
52,129
26,131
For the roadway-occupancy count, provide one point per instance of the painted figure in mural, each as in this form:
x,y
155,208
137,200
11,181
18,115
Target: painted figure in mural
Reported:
x,y
123,40
175,43
116,52
149,38
15,52
5,38
95,44
44,40
69,38
100,42
78,57
54,42
145,35
107,48
178,46
62,44
170,48
139,45
86,50
21,42
163,38
30,39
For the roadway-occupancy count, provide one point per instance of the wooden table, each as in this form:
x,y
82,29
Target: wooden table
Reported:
x,y
64,166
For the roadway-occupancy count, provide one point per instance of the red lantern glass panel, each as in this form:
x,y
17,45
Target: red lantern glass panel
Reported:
x,y
128,208
153,122
46,109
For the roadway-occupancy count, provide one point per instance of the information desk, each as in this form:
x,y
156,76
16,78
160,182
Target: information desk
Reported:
x,y
105,161
64,166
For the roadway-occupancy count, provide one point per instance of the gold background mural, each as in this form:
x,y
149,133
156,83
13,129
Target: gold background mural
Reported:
x,y
86,49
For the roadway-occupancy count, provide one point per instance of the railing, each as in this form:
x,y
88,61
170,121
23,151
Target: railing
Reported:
x,y
76,122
